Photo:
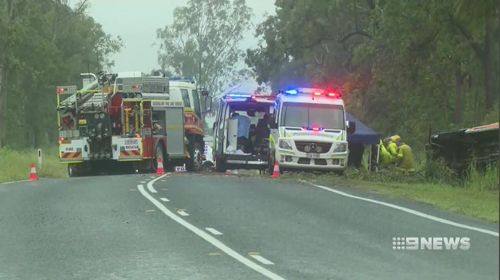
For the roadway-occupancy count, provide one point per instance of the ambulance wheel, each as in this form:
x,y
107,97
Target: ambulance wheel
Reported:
x,y
73,170
220,165
270,162
195,163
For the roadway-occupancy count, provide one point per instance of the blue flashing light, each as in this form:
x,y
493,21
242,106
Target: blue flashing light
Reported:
x,y
291,91
238,95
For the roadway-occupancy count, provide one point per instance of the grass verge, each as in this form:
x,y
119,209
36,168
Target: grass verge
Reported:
x,y
472,199
15,165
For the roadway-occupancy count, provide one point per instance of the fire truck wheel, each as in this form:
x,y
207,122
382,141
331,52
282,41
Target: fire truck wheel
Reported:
x,y
195,163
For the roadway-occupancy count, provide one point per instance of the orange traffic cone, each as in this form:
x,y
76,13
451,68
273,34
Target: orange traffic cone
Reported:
x,y
276,170
33,175
160,171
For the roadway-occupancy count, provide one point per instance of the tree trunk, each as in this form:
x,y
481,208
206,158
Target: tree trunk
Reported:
x,y
459,97
489,81
2,111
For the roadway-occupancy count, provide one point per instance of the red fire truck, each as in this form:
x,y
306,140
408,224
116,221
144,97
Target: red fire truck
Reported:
x,y
128,119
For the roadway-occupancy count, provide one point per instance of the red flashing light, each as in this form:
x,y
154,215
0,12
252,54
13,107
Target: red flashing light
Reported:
x,y
136,87
316,128
61,140
334,94
59,90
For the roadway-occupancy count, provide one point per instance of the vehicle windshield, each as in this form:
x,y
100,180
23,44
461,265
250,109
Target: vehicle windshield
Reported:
x,y
313,115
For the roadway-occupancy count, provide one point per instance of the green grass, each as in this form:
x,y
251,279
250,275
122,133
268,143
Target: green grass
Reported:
x,y
477,197
15,165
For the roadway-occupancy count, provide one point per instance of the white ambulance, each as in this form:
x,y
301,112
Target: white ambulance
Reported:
x,y
309,130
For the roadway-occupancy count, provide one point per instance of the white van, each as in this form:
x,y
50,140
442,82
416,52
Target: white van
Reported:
x,y
309,130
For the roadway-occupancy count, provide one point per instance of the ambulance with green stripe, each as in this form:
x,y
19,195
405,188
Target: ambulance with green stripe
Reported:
x,y
309,130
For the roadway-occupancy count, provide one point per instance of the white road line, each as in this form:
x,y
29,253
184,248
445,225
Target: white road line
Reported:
x,y
13,182
407,210
182,213
164,199
213,231
150,185
207,237
262,259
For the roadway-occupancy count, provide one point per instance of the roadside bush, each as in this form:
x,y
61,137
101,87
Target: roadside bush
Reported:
x,y
437,171
482,180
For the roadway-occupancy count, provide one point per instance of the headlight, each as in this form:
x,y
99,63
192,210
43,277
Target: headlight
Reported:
x,y
102,115
96,116
283,144
340,148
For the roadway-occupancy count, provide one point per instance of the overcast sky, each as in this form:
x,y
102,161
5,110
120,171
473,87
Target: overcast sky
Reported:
x,y
136,22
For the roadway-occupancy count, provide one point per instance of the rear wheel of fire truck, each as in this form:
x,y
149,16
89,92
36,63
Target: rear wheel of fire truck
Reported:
x,y
195,163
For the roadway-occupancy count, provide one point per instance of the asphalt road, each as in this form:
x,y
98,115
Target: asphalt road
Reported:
x,y
192,226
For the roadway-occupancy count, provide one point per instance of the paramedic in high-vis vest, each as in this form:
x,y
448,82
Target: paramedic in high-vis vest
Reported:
x,y
406,160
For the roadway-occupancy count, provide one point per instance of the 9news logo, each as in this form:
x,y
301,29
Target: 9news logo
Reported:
x,y
431,243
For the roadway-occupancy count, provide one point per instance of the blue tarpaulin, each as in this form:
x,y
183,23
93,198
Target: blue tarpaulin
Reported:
x,y
363,134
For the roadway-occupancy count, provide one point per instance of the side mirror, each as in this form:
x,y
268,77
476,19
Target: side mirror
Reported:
x,y
208,103
351,127
204,92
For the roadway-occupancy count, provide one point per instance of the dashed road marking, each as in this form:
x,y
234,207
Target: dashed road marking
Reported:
x,y
407,210
164,199
213,231
261,259
182,212
207,237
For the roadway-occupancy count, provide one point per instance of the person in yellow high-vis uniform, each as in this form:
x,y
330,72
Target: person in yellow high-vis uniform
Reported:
x,y
406,160
385,157
392,145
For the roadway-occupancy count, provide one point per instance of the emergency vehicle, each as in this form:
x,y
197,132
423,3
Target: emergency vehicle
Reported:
x,y
309,130
242,145
127,118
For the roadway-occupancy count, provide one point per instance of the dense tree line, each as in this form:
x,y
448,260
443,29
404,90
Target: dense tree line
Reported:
x,y
404,66
43,43
203,42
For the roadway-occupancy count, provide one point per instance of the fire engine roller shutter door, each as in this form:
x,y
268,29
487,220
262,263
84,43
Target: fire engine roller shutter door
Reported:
x,y
174,117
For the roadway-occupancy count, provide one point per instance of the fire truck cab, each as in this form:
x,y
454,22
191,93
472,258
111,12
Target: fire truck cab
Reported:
x,y
309,130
